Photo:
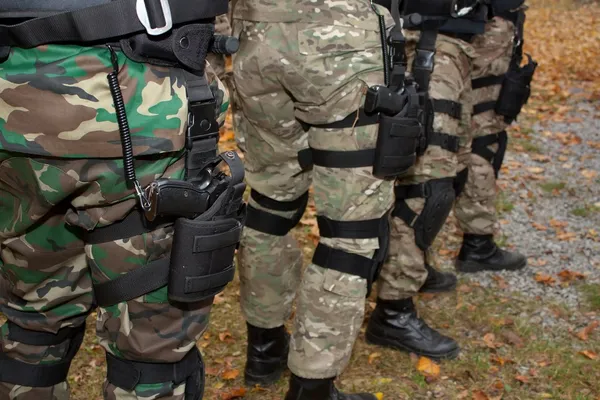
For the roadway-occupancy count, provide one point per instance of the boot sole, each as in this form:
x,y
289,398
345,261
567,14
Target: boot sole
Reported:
x,y
264,380
438,289
379,341
472,267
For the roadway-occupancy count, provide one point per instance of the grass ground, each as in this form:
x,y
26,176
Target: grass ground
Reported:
x,y
508,350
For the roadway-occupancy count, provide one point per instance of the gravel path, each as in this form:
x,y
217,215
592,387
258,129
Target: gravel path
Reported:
x,y
556,216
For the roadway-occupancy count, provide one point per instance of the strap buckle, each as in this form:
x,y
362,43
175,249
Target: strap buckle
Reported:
x,y
424,59
146,12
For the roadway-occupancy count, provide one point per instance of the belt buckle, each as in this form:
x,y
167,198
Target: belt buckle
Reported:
x,y
425,59
144,16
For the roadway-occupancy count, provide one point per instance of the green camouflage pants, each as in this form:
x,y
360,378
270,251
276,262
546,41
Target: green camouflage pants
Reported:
x,y
404,271
318,72
475,209
61,173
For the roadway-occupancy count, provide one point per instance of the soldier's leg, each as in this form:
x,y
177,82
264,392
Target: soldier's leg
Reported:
x,y
269,258
424,198
352,204
476,206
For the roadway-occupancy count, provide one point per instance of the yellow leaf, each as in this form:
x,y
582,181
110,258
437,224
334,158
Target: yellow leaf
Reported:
x,y
373,356
379,395
383,381
428,367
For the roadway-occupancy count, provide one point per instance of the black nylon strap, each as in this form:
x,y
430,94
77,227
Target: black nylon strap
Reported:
x,y
445,141
420,190
277,205
195,284
339,260
366,229
272,224
217,241
133,225
424,61
352,120
483,107
343,159
36,338
405,213
131,285
486,81
452,108
128,374
20,373
99,23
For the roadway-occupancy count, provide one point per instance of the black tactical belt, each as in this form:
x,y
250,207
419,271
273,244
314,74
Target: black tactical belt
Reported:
x,y
112,20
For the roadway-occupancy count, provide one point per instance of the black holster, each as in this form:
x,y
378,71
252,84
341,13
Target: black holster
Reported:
x,y
516,89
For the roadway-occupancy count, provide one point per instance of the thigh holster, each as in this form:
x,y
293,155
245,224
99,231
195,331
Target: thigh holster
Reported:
x,y
127,374
349,263
266,222
42,375
439,197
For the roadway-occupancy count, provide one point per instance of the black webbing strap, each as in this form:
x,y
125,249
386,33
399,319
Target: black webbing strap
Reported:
x,y
115,19
444,140
484,107
480,147
425,55
272,224
339,260
352,120
133,225
133,284
366,229
307,158
36,338
487,81
127,374
452,108
44,375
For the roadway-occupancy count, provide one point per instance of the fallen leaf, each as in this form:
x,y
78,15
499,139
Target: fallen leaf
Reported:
x,y
490,341
545,279
535,170
234,394
224,335
539,227
589,354
230,374
464,289
540,158
480,395
589,174
500,281
522,379
566,236
373,356
379,395
585,332
218,299
212,371
568,276
513,338
558,224
428,368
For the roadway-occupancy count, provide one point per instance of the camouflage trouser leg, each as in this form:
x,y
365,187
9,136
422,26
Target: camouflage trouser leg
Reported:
x,y
284,71
404,272
476,208
217,61
46,268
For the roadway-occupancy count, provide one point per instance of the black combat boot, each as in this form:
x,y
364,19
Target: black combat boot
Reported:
x,y
320,389
480,253
396,324
266,357
438,281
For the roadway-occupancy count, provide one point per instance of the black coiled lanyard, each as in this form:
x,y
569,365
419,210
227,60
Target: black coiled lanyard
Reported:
x,y
115,91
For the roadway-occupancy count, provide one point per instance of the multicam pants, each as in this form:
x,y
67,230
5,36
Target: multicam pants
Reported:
x,y
317,72
475,209
61,173
404,272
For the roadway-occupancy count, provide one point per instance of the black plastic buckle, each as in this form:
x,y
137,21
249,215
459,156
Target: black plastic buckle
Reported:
x,y
202,124
425,59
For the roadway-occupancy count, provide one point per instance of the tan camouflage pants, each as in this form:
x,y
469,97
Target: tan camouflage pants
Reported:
x,y
475,209
61,171
404,272
317,72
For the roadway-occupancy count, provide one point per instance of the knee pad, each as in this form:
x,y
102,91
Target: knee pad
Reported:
x,y
350,263
43,375
480,147
272,224
460,181
439,197
127,374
